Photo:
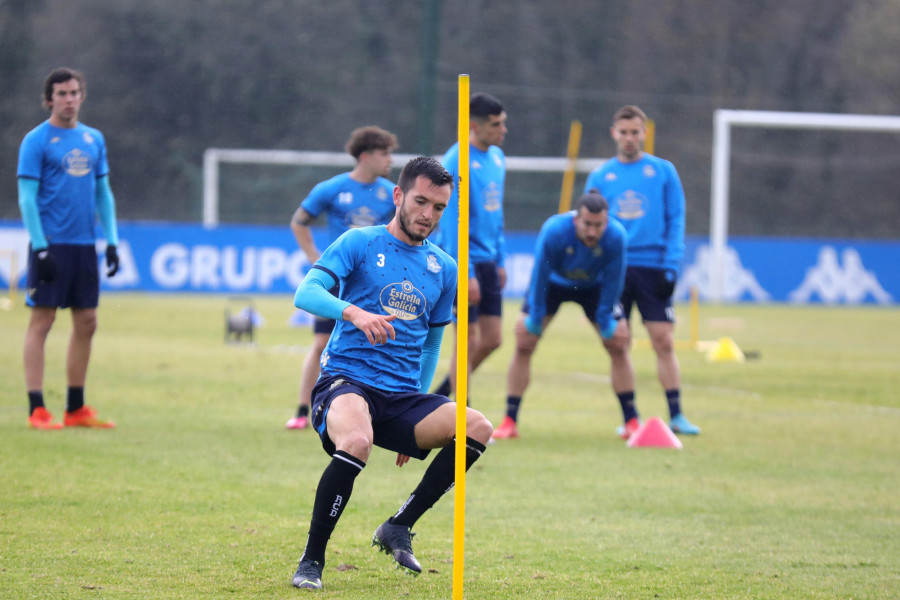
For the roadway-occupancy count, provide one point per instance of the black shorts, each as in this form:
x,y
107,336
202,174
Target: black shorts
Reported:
x,y
77,283
394,414
491,294
642,288
587,297
322,325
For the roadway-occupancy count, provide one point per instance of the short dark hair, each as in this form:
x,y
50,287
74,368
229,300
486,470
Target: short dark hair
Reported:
x,y
629,111
482,105
592,200
366,139
423,166
62,75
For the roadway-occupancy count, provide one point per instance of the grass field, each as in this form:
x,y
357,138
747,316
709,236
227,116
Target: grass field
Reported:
x,y
791,492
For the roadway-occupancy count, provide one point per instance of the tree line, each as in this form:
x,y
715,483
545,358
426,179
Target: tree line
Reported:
x,y
167,79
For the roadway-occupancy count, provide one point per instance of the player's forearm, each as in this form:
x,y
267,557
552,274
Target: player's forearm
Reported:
x,y
303,235
106,209
313,296
431,352
31,216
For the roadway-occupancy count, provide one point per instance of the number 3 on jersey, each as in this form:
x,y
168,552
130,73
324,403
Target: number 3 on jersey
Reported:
x,y
380,262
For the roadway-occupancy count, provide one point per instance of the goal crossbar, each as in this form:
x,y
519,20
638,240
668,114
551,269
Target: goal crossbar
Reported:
x,y
213,157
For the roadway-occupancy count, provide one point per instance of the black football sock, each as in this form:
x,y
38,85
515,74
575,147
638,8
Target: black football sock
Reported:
x,y
629,411
444,388
35,400
512,407
74,399
332,496
673,397
439,477
302,410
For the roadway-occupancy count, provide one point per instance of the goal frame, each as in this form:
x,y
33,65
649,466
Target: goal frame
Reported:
x,y
723,122
213,157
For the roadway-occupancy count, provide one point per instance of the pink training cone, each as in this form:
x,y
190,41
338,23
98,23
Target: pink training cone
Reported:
x,y
654,433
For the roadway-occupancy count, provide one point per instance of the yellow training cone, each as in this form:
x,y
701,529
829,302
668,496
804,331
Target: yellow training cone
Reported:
x,y
725,350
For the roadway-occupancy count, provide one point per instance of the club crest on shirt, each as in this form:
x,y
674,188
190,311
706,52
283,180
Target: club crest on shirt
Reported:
x,y
649,171
630,206
492,197
361,217
76,163
610,176
88,138
403,300
433,265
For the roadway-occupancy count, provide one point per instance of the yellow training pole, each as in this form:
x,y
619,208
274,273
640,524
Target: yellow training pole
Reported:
x,y
650,137
565,196
462,340
695,318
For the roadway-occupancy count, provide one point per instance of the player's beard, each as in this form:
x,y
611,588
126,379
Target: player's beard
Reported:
x,y
406,226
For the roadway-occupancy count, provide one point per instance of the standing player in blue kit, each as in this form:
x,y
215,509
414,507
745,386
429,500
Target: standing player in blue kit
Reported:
x,y
396,296
579,257
63,191
359,198
646,197
487,242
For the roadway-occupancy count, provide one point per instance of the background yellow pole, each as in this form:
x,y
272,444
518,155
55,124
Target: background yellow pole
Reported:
x,y
650,138
568,182
462,341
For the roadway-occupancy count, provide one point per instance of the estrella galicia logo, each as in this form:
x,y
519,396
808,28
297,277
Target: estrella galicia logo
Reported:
x,y
403,300
77,163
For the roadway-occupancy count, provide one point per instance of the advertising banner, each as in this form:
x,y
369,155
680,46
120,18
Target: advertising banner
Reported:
x,y
230,259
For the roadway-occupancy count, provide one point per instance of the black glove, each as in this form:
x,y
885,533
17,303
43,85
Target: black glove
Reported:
x,y
45,265
666,286
112,261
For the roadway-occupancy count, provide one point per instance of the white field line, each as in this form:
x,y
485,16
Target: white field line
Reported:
x,y
595,378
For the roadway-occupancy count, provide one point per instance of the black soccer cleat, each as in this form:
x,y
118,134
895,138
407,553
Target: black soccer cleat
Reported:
x,y
308,575
396,540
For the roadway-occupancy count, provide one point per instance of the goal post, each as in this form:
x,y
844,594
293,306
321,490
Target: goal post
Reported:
x,y
723,122
213,157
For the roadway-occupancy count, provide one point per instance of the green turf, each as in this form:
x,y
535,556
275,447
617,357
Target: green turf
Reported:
x,y
792,491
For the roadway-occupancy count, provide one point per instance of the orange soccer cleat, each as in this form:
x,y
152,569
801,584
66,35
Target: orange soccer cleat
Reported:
x,y
42,419
627,430
86,417
297,423
506,430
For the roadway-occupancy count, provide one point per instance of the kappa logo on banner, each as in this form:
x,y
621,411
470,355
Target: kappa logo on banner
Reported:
x,y
834,283
738,280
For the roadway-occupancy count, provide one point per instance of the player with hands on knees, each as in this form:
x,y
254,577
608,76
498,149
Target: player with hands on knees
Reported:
x,y
579,257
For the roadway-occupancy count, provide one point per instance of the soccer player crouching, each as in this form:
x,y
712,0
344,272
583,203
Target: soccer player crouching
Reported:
x,y
396,296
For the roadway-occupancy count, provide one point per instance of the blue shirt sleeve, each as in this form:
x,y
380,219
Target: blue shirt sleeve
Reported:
x,y
431,351
314,297
675,220
613,280
106,209
31,216
540,279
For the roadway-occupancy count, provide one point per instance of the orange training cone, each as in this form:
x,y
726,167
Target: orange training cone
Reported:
x,y
654,433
